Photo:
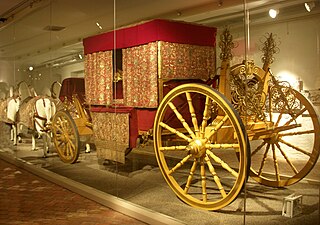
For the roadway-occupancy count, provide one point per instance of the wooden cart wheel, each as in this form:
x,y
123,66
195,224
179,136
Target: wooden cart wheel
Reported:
x,y
197,137
291,145
66,137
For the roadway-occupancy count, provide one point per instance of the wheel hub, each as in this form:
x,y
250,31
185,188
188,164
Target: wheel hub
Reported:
x,y
64,138
197,147
273,139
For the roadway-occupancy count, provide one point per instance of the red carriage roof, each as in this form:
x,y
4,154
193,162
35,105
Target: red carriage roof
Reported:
x,y
154,30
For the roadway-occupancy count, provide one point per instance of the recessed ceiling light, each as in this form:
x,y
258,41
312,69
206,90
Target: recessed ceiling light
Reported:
x,y
273,13
100,27
309,6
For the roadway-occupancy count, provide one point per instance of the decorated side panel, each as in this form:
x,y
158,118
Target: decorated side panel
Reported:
x,y
185,61
140,69
99,78
111,134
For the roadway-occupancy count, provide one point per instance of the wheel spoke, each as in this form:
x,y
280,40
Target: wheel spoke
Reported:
x,y
60,143
287,159
221,146
71,145
191,173
59,129
182,120
222,163
278,120
275,162
219,125
58,136
258,148
205,117
296,116
71,137
66,126
174,131
264,159
193,115
62,123
215,177
179,164
59,120
203,180
295,147
297,133
70,149
173,148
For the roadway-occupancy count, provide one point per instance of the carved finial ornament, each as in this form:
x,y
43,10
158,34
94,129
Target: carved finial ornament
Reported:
x,y
226,44
269,48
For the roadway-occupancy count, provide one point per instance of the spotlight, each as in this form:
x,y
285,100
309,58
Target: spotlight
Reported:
x,y
30,68
273,13
309,6
98,25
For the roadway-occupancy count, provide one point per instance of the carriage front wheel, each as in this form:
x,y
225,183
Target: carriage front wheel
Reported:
x,y
197,138
65,137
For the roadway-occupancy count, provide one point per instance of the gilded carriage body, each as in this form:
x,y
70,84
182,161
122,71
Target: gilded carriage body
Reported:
x,y
127,79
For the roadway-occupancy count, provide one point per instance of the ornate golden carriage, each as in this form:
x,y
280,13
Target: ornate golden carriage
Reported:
x,y
159,79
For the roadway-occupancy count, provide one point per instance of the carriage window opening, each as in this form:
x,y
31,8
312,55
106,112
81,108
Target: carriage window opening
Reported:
x,y
117,74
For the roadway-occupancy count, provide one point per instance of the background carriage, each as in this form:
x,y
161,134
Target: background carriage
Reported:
x,y
157,80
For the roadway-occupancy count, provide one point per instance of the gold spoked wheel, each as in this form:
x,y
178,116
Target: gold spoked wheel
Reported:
x,y
197,139
287,151
66,137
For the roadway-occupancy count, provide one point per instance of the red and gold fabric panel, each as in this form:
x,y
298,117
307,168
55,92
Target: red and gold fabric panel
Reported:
x,y
140,69
184,61
111,135
98,78
111,127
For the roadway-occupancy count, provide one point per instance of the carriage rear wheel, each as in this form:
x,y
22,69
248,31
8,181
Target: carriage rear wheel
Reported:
x,y
66,137
291,146
197,138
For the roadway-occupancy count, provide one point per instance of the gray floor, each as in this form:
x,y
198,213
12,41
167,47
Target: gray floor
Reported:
x,y
140,181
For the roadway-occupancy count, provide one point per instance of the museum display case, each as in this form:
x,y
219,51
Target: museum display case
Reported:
x,y
199,111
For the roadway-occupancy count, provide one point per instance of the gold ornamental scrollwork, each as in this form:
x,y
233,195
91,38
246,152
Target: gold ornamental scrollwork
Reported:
x,y
246,91
269,48
226,44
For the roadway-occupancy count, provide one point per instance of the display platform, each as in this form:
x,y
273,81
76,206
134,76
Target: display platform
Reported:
x,y
139,181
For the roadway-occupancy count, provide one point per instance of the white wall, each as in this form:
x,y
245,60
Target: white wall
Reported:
x,y
43,78
9,72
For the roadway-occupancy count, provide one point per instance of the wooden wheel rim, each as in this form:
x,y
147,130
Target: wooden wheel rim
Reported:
x,y
66,137
281,177
206,202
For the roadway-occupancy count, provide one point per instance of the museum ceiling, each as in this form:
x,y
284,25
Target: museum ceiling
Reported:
x,y
43,31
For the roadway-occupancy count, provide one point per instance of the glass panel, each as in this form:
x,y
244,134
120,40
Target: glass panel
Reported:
x,y
238,74
283,49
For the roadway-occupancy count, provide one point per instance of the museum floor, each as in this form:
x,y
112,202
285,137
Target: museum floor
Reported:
x,y
28,199
135,188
